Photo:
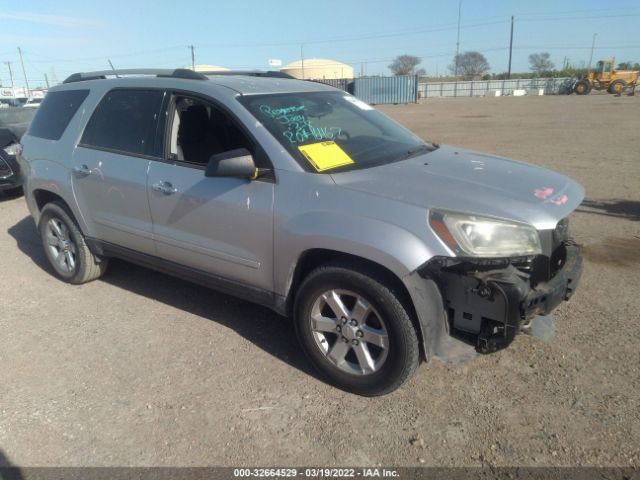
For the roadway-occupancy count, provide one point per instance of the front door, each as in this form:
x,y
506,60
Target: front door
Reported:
x,y
219,226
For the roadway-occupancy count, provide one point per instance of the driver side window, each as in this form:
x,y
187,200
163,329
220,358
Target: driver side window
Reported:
x,y
200,130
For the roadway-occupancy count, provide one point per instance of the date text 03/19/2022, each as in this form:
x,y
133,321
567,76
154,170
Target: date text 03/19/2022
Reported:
x,y
363,472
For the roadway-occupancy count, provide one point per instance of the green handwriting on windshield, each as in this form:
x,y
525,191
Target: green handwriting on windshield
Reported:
x,y
298,127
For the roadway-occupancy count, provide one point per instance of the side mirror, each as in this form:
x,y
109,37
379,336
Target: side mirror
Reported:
x,y
234,163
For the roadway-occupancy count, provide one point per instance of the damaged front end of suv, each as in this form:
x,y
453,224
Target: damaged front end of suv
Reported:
x,y
505,278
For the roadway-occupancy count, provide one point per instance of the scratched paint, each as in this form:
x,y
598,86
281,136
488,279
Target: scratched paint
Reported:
x,y
114,189
561,200
543,193
52,186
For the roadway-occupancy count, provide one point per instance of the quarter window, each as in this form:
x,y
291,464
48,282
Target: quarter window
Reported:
x,y
125,121
55,112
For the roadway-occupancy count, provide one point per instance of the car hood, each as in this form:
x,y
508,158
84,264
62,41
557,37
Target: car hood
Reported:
x,y
462,180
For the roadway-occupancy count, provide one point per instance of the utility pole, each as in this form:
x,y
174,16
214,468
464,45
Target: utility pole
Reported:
x,y
24,72
593,44
193,58
10,75
302,58
458,38
46,80
510,49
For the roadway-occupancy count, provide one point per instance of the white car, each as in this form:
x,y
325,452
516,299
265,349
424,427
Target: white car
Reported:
x,y
33,102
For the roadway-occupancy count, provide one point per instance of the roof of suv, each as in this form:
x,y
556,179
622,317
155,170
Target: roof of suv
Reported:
x,y
250,85
244,83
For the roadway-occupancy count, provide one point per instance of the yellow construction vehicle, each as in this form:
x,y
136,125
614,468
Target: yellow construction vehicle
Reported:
x,y
606,77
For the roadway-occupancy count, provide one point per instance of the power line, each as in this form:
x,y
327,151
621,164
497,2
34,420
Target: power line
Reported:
x,y
510,49
458,38
369,36
579,18
578,11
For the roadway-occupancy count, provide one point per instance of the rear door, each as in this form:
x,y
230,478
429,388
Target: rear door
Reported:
x,y
220,226
110,167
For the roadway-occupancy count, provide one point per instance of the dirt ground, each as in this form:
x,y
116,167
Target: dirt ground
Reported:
x,y
142,369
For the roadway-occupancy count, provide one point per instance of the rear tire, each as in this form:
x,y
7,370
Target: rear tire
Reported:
x,y
65,246
371,349
617,86
582,87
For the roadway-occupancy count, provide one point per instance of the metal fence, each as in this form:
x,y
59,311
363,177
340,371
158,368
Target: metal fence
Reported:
x,y
379,90
481,88
341,83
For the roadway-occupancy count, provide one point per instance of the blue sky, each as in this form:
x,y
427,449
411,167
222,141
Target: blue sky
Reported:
x,y
62,37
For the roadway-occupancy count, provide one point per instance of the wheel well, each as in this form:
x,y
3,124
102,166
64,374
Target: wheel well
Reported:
x,y
312,259
43,197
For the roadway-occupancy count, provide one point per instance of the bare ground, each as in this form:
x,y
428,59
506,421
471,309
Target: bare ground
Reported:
x,y
143,369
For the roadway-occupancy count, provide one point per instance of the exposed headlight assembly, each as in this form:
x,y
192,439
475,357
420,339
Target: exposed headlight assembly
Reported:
x,y
475,236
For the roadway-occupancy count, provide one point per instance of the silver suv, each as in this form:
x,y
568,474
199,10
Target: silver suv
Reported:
x,y
383,249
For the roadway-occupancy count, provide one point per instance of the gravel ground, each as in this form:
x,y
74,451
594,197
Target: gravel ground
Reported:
x,y
142,369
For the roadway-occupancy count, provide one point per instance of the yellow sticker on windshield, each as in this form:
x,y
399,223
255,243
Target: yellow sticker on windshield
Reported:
x,y
325,155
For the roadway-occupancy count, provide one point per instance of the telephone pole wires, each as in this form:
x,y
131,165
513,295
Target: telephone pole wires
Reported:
x,y
510,49
24,72
458,38
593,44
8,64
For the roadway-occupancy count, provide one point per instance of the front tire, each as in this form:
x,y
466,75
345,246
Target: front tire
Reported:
x,y
582,87
65,246
617,86
355,330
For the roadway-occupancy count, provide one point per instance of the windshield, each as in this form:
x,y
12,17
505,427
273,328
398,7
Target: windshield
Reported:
x,y
333,131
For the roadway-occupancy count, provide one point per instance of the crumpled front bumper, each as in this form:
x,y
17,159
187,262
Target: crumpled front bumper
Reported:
x,y
546,296
467,308
493,305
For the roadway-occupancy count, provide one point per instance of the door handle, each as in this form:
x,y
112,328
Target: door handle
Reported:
x,y
165,187
82,171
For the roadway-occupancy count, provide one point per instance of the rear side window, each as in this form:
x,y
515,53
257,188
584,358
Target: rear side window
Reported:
x,y
125,121
55,113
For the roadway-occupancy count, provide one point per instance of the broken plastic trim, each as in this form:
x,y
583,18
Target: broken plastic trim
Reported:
x,y
488,299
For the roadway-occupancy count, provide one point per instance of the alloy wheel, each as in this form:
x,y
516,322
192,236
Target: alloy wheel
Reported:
x,y
349,332
61,246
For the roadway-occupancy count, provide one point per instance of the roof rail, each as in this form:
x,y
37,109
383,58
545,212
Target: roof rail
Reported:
x,y
250,73
158,72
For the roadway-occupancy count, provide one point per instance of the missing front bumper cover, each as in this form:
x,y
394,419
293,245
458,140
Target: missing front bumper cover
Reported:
x,y
488,307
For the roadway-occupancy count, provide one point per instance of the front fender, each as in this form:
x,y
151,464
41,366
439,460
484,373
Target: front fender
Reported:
x,y
388,245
